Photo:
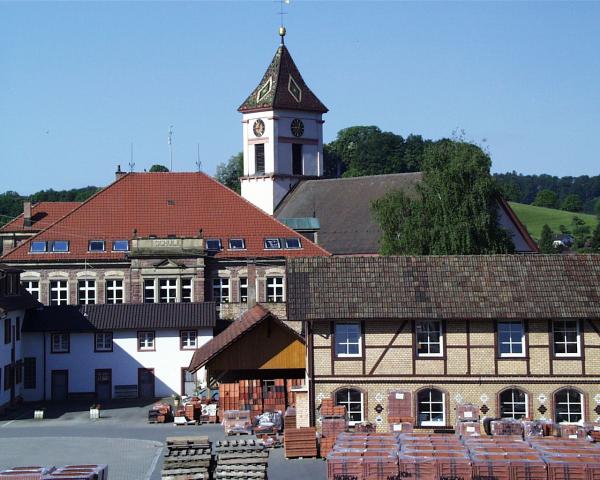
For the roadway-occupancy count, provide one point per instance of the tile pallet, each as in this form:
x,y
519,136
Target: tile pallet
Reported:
x,y
187,458
300,442
241,459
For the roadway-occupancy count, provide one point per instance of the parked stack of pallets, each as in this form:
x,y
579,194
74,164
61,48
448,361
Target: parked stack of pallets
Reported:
x,y
79,472
289,419
237,422
569,459
258,396
467,420
160,413
333,422
25,473
300,442
187,458
507,427
399,412
241,459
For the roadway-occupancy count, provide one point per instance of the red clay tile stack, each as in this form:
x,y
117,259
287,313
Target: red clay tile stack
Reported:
x,y
399,411
274,396
25,473
289,418
256,396
507,427
160,413
79,472
467,420
300,442
334,421
290,383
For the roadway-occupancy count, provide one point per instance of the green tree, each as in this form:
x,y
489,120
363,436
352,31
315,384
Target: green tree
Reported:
x,y
597,208
546,198
158,168
572,203
229,173
581,232
546,241
595,241
456,211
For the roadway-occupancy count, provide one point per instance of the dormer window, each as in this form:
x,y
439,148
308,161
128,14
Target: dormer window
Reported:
x,y
60,246
96,246
293,243
213,244
120,246
38,247
237,244
272,243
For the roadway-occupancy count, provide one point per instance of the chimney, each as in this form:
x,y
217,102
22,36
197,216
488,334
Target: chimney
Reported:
x,y
119,173
27,214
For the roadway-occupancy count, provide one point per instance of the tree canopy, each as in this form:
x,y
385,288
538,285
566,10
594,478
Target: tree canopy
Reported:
x,y
229,173
546,198
456,212
572,203
547,240
158,168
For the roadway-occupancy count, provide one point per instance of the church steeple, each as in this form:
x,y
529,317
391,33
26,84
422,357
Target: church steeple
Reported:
x,y
283,133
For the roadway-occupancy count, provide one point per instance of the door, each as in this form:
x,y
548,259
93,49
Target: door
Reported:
x,y
146,383
189,382
103,385
59,385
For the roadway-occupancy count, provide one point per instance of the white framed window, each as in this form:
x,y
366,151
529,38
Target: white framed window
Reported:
x,y
59,343
188,339
566,338
237,244
429,338
60,246
353,400
513,404
511,339
293,243
120,245
167,290
431,407
149,290
115,293
568,406
186,290
38,247
59,292
33,287
243,289
275,293
220,290
348,340
96,246
146,341
86,292
272,243
214,244
103,341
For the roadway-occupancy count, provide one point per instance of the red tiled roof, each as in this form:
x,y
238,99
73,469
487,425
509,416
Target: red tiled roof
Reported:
x,y
164,204
43,214
237,329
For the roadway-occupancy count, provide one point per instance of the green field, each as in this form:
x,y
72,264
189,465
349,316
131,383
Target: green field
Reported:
x,y
534,218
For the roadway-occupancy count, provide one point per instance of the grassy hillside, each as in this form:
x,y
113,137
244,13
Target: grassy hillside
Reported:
x,y
534,218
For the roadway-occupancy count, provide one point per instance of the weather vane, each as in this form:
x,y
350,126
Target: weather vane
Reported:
x,y
281,14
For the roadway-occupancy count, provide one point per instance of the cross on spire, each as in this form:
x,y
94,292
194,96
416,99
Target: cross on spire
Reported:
x,y
281,13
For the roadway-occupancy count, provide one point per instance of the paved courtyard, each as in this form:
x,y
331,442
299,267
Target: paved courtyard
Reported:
x,y
122,438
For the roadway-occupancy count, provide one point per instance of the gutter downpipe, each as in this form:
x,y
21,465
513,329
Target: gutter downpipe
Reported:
x,y
311,374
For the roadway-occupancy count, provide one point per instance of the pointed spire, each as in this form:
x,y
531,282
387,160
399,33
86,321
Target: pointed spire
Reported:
x,y
282,87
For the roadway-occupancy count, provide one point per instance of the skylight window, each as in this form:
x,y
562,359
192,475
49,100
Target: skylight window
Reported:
x,y
37,247
293,243
272,243
213,244
60,246
120,246
96,246
237,244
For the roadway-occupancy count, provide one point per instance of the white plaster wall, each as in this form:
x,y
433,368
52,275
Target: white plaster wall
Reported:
x,y
260,192
33,346
5,352
124,361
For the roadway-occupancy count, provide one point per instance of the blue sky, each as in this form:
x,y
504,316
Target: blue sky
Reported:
x,y
80,81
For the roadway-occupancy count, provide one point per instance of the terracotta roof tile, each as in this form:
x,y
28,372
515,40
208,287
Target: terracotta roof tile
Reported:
x,y
43,214
447,287
164,204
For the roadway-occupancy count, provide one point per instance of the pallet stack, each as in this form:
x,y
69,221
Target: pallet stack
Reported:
x,y
241,459
25,473
399,411
237,422
333,422
78,472
289,419
300,442
187,458
507,427
258,396
160,413
467,420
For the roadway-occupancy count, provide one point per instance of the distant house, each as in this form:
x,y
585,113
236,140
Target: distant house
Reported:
x,y
340,211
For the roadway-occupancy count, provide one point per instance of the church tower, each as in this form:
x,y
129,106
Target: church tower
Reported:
x,y
282,123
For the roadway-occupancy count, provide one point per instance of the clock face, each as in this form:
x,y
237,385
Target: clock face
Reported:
x,y
258,128
297,127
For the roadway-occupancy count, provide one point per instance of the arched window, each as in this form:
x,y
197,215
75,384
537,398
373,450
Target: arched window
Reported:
x,y
353,400
431,407
513,404
568,406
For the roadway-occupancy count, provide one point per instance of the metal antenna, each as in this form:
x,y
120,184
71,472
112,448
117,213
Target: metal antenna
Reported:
x,y
198,161
170,141
131,162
